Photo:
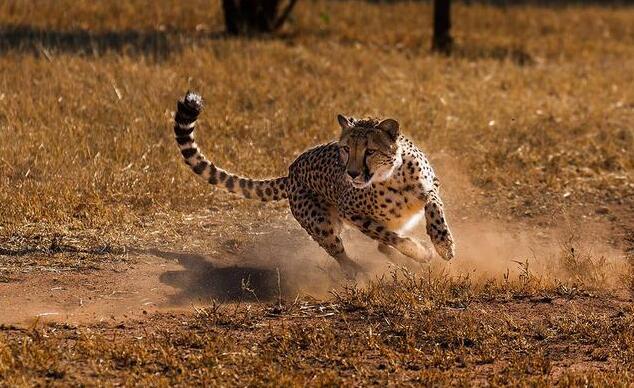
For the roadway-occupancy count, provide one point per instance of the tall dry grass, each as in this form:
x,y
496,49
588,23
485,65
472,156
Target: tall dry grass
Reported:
x,y
536,107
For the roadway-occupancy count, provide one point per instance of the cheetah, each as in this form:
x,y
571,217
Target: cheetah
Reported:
x,y
373,178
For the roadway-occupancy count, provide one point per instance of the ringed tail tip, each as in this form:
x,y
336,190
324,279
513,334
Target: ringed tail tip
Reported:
x,y
191,105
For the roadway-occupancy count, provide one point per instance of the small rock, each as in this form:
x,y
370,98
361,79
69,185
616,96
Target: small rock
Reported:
x,y
602,210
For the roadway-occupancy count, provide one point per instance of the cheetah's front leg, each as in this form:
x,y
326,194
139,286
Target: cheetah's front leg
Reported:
x,y
437,227
407,246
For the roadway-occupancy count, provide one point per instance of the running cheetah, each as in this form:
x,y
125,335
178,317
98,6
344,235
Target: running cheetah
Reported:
x,y
373,178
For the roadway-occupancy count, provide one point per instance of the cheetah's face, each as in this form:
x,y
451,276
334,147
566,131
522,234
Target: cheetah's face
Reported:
x,y
369,149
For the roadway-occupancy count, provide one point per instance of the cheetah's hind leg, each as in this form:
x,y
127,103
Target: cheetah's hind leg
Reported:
x,y
398,259
324,226
405,245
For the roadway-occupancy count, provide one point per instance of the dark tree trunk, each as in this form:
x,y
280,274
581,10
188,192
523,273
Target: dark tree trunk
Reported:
x,y
442,41
243,17
232,16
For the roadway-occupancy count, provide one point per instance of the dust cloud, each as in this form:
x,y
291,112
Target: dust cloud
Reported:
x,y
560,247
282,261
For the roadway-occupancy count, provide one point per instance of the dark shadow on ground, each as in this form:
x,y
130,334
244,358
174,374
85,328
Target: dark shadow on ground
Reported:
x,y
516,55
203,280
281,261
418,47
156,44
159,45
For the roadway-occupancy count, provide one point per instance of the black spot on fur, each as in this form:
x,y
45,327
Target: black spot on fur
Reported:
x,y
186,112
189,152
229,183
180,132
184,139
200,167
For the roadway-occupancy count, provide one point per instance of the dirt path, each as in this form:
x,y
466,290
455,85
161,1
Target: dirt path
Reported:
x,y
95,296
148,315
224,256
151,280
277,262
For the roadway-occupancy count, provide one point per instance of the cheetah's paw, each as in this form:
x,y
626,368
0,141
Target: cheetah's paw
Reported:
x,y
446,248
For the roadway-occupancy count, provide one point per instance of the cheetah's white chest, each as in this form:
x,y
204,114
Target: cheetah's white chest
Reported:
x,y
405,218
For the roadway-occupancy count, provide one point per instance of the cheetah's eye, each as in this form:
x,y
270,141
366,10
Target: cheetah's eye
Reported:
x,y
370,152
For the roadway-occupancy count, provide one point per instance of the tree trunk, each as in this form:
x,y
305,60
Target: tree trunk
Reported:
x,y
244,17
232,17
442,41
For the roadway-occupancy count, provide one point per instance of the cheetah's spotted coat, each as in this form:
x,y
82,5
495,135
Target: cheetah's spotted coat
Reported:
x,y
373,178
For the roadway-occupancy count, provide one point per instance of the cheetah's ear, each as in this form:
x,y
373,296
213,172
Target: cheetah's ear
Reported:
x,y
344,122
391,127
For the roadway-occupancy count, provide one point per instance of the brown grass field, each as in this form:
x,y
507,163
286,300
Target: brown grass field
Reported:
x,y
119,267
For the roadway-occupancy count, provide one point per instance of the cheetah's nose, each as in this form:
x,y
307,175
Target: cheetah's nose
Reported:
x,y
353,174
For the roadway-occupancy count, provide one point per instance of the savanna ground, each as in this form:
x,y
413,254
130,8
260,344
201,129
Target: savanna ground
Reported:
x,y
117,266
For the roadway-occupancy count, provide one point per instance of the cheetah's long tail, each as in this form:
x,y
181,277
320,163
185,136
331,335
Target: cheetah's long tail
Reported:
x,y
187,113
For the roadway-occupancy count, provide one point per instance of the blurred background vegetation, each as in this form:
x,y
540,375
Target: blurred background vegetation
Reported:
x,y
533,105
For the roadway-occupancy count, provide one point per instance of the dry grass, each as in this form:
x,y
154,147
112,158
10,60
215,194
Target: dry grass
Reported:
x,y
560,125
533,117
412,330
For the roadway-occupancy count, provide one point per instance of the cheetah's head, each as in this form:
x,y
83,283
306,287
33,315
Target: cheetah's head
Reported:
x,y
369,149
